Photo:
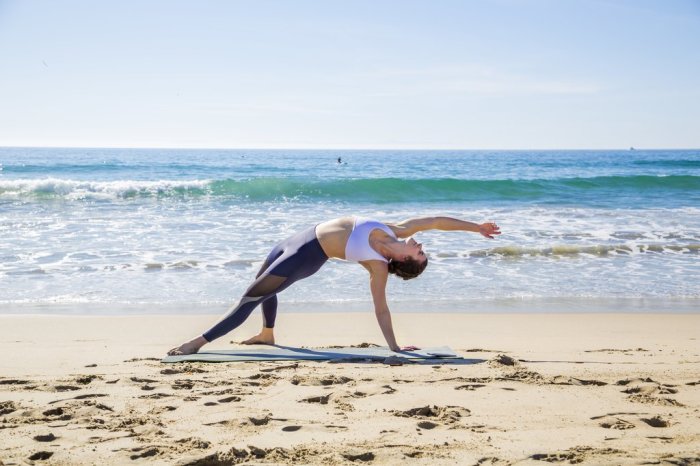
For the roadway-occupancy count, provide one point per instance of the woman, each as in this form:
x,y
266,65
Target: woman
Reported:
x,y
372,244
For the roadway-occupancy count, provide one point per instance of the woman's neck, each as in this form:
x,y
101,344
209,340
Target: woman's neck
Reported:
x,y
387,246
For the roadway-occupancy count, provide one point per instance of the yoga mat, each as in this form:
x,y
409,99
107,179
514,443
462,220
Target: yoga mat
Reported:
x,y
288,353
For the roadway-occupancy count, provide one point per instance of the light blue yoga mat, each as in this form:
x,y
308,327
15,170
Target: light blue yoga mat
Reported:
x,y
288,353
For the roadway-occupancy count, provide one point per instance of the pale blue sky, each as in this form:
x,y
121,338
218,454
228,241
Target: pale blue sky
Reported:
x,y
464,74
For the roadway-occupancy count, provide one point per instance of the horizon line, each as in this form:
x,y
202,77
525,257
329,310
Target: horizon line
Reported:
x,y
368,148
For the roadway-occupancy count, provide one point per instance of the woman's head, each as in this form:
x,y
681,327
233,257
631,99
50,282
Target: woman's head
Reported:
x,y
408,268
408,260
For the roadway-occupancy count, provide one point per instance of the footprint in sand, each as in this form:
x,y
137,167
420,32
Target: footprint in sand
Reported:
x,y
182,385
649,391
469,387
616,423
655,400
227,391
492,461
253,454
660,390
448,414
323,399
260,421
612,421
577,455
161,409
155,396
86,379
7,407
260,380
41,455
366,456
80,397
147,451
65,388
637,380
193,442
364,391
53,412
325,381
427,425
13,382
291,428
186,369
45,438
57,414
647,387
656,421
557,457
336,428
564,380
503,360
141,380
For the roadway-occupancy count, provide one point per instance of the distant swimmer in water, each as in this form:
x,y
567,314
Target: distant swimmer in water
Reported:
x,y
340,160
381,248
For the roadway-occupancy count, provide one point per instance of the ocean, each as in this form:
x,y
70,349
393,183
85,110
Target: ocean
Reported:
x,y
118,231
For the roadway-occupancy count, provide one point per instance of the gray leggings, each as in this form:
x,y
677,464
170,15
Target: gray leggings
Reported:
x,y
293,259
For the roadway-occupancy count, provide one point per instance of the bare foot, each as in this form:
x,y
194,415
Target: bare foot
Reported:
x,y
265,337
190,347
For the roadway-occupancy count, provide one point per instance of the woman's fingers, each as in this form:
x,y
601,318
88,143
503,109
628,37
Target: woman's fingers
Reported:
x,y
409,348
490,229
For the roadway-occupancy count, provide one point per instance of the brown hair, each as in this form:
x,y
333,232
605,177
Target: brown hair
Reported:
x,y
408,268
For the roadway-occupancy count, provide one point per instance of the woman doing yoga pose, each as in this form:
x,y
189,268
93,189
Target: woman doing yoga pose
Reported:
x,y
374,245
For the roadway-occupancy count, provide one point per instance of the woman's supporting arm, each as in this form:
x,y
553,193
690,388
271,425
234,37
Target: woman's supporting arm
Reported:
x,y
378,275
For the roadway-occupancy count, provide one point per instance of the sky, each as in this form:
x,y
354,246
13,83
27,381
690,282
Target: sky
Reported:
x,y
354,74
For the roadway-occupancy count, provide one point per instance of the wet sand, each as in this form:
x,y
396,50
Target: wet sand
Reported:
x,y
532,389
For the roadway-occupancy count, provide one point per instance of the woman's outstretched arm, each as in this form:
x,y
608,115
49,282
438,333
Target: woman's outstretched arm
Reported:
x,y
412,226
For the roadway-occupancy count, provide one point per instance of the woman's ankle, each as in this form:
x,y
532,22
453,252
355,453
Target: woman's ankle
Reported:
x,y
199,341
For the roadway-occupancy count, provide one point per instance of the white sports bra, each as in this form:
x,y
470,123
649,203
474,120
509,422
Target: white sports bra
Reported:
x,y
358,249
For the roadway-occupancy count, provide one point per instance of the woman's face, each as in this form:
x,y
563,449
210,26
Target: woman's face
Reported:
x,y
414,250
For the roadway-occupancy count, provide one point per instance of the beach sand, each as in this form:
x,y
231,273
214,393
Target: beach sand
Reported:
x,y
533,389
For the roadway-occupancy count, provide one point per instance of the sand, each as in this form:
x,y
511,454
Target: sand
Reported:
x,y
532,389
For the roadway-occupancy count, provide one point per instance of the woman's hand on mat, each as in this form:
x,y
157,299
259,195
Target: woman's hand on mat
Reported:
x,y
409,348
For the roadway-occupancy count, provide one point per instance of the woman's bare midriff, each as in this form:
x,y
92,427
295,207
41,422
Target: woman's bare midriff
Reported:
x,y
333,236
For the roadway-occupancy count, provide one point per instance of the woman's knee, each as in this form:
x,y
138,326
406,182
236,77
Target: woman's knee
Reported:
x,y
265,286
